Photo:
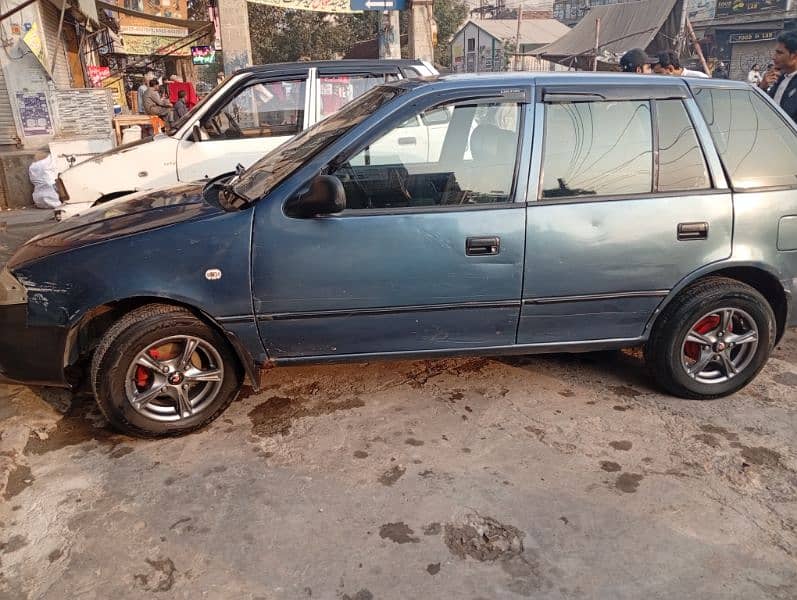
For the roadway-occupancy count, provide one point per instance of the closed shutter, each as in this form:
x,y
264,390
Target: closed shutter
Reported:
x,y
50,16
8,130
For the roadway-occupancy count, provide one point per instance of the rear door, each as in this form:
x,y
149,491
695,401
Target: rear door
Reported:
x,y
256,118
628,203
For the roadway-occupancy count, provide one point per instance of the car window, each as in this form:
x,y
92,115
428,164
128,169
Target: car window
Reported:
x,y
597,149
756,146
682,166
453,155
269,109
338,90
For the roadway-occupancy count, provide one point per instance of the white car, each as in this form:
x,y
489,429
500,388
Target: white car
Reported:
x,y
248,115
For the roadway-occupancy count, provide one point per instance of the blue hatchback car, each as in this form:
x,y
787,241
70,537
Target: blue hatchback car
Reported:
x,y
508,214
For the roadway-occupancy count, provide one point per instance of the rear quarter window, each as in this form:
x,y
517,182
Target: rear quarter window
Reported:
x,y
757,147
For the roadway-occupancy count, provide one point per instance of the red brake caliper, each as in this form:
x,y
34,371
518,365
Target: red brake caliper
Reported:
x,y
692,349
143,374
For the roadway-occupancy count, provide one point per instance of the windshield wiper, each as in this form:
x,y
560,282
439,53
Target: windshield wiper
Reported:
x,y
225,183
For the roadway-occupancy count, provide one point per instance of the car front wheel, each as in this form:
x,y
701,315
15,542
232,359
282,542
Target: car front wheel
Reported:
x,y
712,340
161,371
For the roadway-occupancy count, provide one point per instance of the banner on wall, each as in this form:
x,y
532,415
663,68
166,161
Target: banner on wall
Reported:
x,y
33,40
329,6
97,74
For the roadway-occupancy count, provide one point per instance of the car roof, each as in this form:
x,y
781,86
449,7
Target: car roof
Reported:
x,y
608,85
348,64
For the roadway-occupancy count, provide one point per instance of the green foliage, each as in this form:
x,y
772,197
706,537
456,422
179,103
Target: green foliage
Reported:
x,y
450,15
282,35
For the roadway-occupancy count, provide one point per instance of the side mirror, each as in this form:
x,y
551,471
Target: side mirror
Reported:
x,y
196,132
326,196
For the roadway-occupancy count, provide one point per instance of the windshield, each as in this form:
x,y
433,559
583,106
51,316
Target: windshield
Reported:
x,y
270,170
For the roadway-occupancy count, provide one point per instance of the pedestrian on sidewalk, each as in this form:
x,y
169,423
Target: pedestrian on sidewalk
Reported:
x,y
754,75
669,64
155,105
780,82
142,89
180,108
636,60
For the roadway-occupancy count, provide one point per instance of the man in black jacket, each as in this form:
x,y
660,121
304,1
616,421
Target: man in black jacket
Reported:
x,y
781,83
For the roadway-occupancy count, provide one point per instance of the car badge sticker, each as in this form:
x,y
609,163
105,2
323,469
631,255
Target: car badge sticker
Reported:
x,y
213,274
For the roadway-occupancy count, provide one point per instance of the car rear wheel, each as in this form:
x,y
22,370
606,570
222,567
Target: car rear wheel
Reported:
x,y
712,340
161,371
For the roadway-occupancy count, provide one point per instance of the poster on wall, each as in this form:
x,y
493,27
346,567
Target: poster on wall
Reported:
x,y
98,74
34,113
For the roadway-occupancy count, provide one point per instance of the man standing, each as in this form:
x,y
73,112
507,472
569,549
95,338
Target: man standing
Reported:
x,y
142,89
780,82
637,61
154,104
669,64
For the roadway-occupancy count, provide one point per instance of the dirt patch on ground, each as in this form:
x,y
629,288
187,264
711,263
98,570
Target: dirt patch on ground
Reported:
x,y
707,439
628,482
728,435
483,538
392,475
610,467
401,533
82,423
761,456
161,578
20,478
278,414
623,445
623,391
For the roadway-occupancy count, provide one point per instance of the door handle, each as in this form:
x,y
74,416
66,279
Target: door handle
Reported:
x,y
482,246
407,141
692,231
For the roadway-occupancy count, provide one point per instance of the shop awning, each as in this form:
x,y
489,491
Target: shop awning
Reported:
x,y
649,24
190,25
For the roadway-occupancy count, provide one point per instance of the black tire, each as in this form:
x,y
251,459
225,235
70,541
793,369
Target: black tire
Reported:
x,y
132,334
663,352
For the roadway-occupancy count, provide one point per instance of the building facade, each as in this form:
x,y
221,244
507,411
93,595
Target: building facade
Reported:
x,y
742,33
490,45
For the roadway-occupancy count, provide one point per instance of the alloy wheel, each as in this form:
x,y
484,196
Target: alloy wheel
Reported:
x,y
174,378
719,346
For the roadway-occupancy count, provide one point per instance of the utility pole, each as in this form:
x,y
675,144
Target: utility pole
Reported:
x,y
389,38
517,35
597,44
234,31
421,30
690,30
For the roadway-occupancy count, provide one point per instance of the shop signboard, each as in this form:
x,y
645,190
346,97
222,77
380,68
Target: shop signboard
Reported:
x,y
739,7
203,55
753,36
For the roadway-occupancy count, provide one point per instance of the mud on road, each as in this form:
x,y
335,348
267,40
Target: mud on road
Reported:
x,y
543,477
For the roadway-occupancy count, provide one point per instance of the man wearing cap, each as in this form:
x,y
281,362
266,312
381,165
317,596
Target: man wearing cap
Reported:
x,y
637,61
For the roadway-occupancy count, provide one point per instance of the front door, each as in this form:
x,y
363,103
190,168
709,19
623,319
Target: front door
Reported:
x,y
427,256
258,117
626,208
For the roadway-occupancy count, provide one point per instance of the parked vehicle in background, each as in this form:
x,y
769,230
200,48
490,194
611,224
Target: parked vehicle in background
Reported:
x,y
560,213
251,113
